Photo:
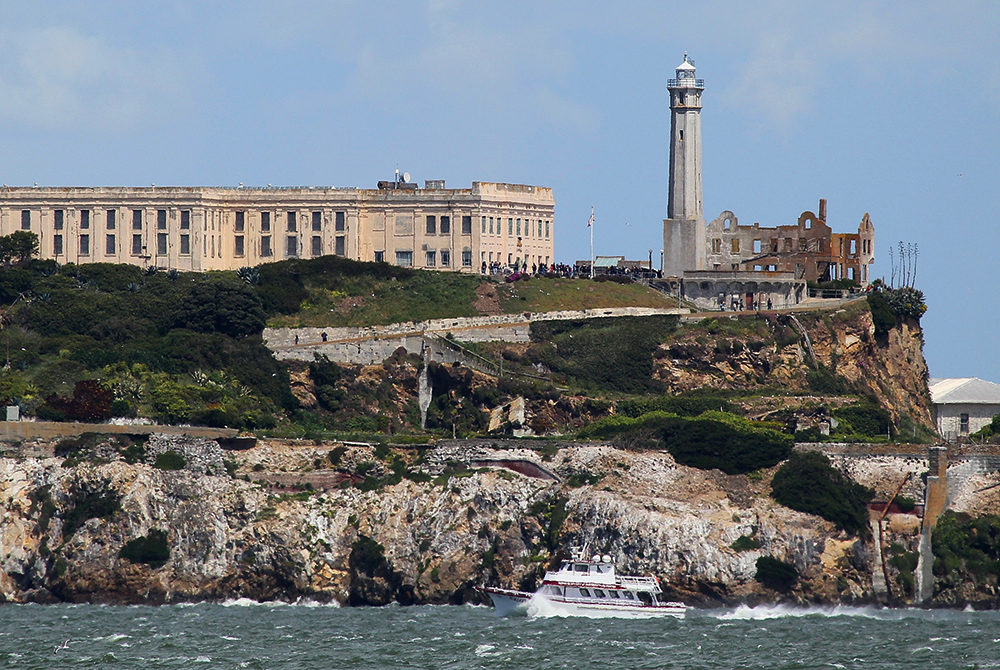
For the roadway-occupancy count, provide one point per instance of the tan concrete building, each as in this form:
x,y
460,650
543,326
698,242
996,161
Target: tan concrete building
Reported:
x,y
210,228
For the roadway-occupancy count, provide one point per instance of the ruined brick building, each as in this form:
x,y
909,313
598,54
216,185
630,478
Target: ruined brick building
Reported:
x,y
723,262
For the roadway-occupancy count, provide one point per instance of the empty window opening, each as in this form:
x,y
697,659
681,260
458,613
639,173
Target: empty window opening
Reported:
x,y
717,246
681,100
963,425
756,246
854,247
809,224
736,246
727,223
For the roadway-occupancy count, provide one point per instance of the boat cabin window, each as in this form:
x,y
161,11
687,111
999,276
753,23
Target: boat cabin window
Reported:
x,y
614,594
599,593
628,595
646,598
585,593
556,590
580,567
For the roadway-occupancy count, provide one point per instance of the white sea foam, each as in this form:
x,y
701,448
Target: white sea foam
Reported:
x,y
763,612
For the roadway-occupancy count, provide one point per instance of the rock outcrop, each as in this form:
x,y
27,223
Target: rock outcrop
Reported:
x,y
411,541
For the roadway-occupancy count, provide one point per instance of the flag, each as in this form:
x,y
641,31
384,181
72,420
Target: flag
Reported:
x,y
590,221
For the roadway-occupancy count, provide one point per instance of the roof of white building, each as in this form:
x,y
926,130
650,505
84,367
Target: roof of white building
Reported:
x,y
965,391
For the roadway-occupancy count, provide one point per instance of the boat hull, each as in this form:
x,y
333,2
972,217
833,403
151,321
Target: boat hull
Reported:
x,y
507,601
545,605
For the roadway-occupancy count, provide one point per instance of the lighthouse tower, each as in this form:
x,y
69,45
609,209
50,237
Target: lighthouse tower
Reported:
x,y
684,227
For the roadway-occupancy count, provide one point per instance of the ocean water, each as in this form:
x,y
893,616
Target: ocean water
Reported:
x,y
244,634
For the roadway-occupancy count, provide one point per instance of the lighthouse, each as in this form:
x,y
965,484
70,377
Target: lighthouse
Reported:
x,y
684,227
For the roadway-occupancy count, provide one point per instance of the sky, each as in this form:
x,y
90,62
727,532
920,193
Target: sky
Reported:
x,y
890,108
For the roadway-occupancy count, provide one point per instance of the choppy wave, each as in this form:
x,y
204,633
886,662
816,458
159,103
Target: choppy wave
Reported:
x,y
764,612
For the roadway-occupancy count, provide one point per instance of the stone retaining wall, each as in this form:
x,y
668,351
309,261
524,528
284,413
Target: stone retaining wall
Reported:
x,y
373,344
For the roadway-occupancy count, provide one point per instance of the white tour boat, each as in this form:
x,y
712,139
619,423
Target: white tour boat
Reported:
x,y
588,587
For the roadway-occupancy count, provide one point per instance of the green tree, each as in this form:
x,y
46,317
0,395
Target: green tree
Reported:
x,y
222,307
808,483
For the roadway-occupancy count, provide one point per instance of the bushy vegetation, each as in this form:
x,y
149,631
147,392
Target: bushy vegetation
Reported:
x,y
152,549
808,483
336,291
864,418
966,549
170,460
776,574
614,354
712,440
889,305
992,429
85,504
689,404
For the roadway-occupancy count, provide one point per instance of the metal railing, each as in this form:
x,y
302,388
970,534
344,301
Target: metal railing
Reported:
x,y
686,83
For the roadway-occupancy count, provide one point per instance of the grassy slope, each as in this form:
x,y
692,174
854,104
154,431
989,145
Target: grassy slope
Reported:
x,y
547,295
364,301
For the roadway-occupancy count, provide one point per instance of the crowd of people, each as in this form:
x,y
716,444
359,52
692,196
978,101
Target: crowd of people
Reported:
x,y
518,270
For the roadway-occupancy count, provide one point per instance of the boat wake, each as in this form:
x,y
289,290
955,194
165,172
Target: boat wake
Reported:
x,y
764,612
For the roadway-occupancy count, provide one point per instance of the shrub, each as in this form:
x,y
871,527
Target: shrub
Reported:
x,y
170,460
89,504
776,574
151,550
733,446
966,548
682,405
745,543
883,316
866,419
808,483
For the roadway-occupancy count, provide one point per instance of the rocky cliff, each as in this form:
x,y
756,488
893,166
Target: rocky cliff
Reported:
x,y
427,541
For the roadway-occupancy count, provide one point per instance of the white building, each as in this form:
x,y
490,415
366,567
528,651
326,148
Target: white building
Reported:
x,y
963,405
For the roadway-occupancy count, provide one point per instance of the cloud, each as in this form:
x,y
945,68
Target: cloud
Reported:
x,y
61,79
461,59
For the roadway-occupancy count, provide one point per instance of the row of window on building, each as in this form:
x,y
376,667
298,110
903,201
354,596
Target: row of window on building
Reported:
x,y
138,216
804,245
514,224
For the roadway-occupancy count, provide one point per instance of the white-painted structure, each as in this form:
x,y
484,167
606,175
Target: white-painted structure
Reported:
x,y
963,405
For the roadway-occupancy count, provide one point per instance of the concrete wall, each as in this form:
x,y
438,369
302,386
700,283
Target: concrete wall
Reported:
x,y
373,344
949,418
51,430
704,289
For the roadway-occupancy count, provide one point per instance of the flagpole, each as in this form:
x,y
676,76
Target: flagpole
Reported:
x,y
590,224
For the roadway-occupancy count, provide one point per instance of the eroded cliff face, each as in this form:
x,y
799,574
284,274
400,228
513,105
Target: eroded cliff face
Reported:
x,y
411,542
769,350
